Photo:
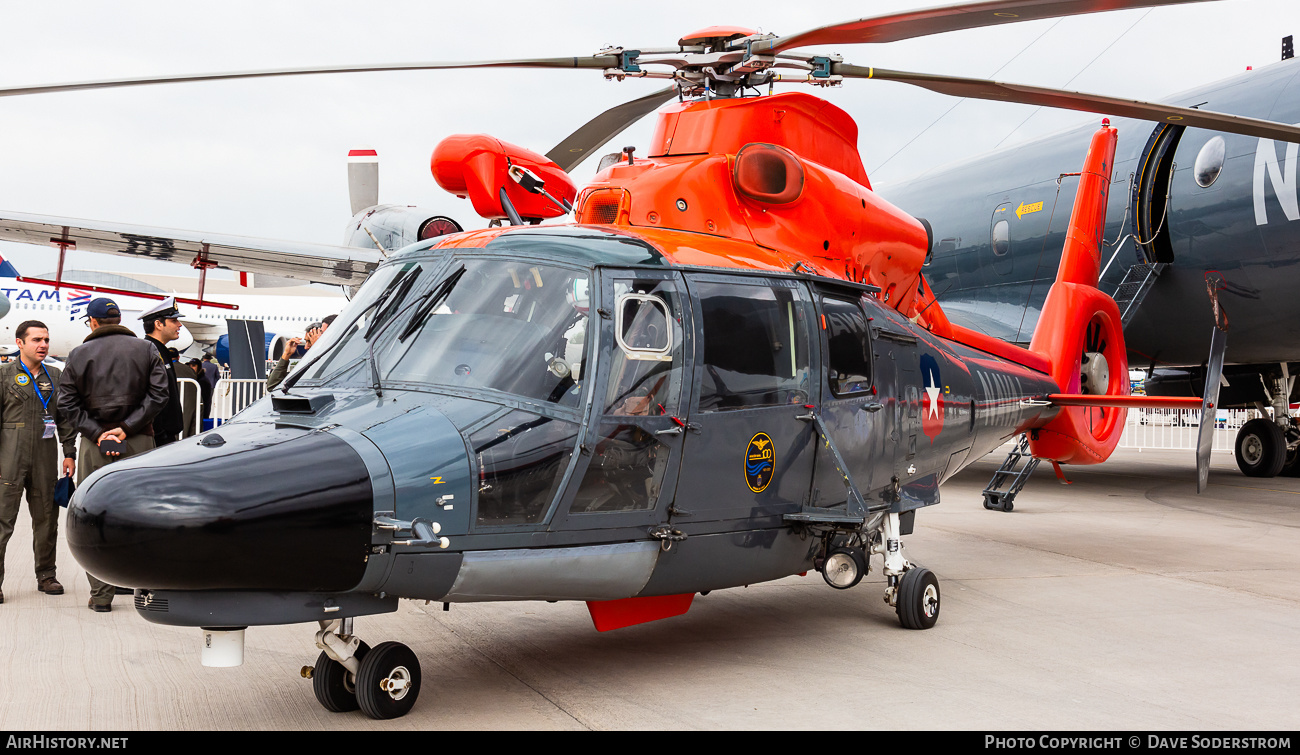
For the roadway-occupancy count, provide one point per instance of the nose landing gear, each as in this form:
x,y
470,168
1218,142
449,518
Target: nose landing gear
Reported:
x,y
912,590
383,682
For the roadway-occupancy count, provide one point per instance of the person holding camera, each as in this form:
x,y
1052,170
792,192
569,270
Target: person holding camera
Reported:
x,y
114,385
281,369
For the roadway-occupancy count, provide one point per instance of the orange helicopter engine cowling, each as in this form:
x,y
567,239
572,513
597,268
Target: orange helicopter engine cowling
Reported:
x,y
477,166
782,172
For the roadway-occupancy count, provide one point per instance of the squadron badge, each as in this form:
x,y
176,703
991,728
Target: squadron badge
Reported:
x,y
760,462
21,379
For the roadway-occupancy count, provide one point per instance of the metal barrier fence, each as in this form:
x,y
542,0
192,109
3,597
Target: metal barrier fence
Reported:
x,y
230,397
191,395
1178,428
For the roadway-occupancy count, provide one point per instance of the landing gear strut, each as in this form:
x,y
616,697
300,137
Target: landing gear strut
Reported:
x,y
383,682
1269,447
913,590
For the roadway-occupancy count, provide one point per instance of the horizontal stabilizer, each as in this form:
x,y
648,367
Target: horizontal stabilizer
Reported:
x,y
1125,402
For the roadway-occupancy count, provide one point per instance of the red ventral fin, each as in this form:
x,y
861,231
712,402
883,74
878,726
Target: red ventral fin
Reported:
x,y
616,614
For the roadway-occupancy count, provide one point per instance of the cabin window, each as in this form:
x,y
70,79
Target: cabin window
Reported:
x,y
521,459
755,346
847,347
1209,162
1001,237
645,374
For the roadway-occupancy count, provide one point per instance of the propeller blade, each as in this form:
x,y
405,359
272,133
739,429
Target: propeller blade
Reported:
x,y
596,132
1209,407
595,61
926,21
982,89
363,179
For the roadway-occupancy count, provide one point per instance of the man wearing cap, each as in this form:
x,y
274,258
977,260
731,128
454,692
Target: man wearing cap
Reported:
x,y
162,326
30,450
113,386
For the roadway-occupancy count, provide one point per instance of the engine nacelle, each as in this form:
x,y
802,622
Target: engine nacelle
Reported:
x,y
393,227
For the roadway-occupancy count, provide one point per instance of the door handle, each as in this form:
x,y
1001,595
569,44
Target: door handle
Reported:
x,y
669,431
874,407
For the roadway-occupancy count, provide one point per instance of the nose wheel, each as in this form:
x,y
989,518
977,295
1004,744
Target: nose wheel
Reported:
x,y
334,685
389,681
918,598
383,681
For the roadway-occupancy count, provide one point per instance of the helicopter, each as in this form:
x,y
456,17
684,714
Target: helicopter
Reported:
x,y
728,369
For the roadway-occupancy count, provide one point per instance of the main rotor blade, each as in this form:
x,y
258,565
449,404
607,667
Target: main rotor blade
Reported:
x,y
982,89
596,132
926,21
595,61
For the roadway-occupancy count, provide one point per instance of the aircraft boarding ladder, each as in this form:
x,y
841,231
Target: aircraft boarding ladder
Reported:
x,y
1134,288
1002,500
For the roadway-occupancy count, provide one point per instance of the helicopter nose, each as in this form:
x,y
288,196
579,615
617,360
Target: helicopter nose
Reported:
x,y
250,506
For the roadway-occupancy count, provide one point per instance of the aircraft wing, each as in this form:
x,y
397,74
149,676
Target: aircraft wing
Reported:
x,y
203,330
318,263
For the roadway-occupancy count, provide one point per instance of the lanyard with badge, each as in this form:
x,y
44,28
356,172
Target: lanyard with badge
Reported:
x,y
50,428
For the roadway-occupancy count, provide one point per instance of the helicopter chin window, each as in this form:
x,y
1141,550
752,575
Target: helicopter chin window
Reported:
x,y
521,459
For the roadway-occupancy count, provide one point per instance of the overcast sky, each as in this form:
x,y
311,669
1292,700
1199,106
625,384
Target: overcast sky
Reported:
x,y
268,158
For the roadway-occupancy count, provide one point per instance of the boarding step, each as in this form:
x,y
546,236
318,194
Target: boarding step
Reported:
x,y
1134,288
998,499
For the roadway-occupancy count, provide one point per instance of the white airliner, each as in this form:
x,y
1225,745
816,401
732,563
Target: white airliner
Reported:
x,y
63,311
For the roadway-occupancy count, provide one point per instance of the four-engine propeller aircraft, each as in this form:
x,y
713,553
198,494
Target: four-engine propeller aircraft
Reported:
x,y
728,369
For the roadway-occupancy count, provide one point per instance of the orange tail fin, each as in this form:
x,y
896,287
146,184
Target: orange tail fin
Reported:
x,y
1079,331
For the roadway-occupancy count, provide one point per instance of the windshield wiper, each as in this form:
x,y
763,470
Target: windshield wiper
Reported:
x,y
435,295
430,302
393,299
293,379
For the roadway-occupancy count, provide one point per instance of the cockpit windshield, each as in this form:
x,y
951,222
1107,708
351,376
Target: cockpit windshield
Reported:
x,y
514,326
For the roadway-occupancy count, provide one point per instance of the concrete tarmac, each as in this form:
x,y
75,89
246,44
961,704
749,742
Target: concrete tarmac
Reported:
x,y
1121,601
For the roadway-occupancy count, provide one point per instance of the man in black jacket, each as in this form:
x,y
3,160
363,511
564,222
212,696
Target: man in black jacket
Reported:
x,y
162,325
113,386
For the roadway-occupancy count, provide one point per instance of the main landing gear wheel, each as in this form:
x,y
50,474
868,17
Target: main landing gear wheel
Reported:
x,y
389,681
1261,448
334,685
918,599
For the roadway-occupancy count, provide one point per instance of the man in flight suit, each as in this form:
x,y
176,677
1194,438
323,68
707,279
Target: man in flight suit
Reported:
x,y
113,386
162,325
30,452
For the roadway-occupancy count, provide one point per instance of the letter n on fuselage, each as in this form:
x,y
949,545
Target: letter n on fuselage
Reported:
x,y
1282,177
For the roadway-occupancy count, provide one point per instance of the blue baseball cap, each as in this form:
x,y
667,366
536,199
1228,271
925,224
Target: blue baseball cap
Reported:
x,y
102,307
